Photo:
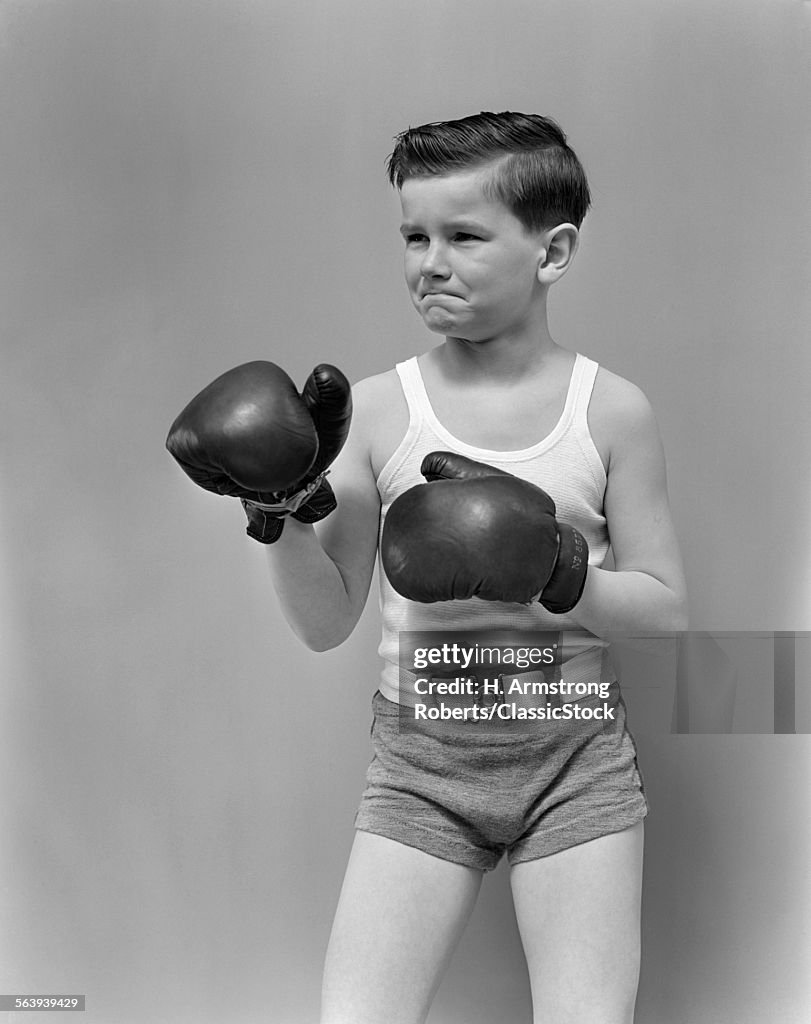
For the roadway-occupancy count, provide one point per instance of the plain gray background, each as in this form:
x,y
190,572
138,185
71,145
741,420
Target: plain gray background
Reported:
x,y
189,185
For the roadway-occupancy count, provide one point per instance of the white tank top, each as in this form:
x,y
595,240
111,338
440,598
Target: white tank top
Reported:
x,y
565,463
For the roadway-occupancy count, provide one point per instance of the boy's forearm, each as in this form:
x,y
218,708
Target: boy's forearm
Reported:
x,y
311,588
629,602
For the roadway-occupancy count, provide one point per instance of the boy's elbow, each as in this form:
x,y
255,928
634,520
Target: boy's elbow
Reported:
x,y
319,645
320,640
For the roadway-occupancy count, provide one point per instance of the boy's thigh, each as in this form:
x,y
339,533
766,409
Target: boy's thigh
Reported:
x,y
400,915
578,913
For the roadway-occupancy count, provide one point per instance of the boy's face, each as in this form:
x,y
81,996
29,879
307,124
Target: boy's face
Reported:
x,y
470,265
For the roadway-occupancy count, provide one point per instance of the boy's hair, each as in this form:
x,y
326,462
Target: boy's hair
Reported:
x,y
535,174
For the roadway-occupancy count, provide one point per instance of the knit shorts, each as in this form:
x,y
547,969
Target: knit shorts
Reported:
x,y
469,797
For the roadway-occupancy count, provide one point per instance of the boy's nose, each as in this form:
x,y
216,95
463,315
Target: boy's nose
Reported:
x,y
434,262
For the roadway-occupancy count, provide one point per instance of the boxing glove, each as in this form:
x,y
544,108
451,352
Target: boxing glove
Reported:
x,y
249,434
476,531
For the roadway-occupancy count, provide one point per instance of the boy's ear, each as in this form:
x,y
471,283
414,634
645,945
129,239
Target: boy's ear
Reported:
x,y
561,244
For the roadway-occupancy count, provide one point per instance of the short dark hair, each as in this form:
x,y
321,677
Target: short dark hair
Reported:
x,y
537,175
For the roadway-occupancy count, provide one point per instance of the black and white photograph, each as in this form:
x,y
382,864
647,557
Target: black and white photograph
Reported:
x,y
405,602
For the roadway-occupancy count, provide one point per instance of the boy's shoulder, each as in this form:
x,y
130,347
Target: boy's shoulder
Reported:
x,y
619,416
617,395
380,415
379,398
378,388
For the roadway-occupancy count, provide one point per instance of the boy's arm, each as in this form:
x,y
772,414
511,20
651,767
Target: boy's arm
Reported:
x,y
646,591
322,574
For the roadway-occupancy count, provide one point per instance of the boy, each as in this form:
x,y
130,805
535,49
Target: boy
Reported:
x,y
491,210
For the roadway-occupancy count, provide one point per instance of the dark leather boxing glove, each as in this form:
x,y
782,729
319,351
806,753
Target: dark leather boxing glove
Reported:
x,y
475,531
249,434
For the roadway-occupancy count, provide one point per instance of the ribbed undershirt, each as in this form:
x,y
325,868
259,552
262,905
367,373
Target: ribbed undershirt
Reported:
x,y
565,463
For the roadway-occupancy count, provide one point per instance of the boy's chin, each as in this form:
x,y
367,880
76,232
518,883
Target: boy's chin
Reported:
x,y
440,321
453,332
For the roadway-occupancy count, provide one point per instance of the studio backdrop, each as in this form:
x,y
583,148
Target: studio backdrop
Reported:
x,y
187,186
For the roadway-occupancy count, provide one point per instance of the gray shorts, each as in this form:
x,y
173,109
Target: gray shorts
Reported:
x,y
470,797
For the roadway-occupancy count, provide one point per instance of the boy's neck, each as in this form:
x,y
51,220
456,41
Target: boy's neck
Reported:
x,y
504,358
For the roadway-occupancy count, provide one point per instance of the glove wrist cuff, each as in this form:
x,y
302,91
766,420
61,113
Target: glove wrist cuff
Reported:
x,y
308,505
262,525
565,586
288,503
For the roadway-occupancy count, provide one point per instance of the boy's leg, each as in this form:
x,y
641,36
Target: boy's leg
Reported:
x,y
399,918
578,913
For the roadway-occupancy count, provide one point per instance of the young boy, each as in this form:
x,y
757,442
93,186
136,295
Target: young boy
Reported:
x,y
491,210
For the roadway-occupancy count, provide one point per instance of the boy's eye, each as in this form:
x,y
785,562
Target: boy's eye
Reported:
x,y
417,238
